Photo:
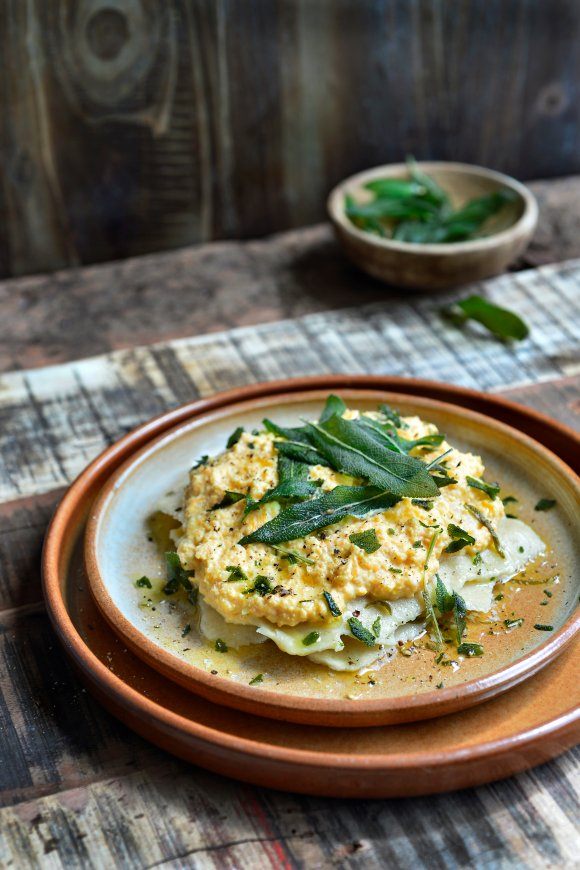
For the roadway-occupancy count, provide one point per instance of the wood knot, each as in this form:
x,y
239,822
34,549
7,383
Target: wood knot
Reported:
x,y
107,31
552,100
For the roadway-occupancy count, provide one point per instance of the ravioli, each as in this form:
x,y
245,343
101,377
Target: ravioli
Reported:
x,y
325,595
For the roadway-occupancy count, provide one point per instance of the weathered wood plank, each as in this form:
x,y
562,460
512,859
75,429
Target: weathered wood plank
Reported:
x,y
22,527
79,312
54,420
140,126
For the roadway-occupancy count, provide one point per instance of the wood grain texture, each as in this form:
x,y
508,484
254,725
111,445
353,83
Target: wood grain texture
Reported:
x,y
135,126
54,420
74,313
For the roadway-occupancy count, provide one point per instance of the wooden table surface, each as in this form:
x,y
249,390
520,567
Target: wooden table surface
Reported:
x,y
78,788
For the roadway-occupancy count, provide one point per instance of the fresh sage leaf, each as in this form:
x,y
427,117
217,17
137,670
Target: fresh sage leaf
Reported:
x,y
500,322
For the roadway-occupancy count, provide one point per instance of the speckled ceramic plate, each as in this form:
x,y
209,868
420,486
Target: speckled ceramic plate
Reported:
x,y
528,725
402,689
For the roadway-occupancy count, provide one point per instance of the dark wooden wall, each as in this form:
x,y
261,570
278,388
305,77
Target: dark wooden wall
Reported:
x,y
128,126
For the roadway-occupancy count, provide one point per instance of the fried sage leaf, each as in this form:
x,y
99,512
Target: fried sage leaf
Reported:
x,y
293,484
334,405
352,449
487,523
302,519
490,489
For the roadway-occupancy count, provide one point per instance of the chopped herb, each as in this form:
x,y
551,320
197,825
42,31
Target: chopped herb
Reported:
x,y
430,550
545,504
236,574
292,556
513,623
500,596
262,585
485,522
259,678
490,489
520,549
444,599
203,460
417,544
395,570
451,601
541,627
366,540
470,649
360,632
432,618
429,525
143,582
235,437
461,538
508,499
548,593
332,605
501,322
442,481
392,416
176,575
377,626
439,686
477,559
384,604
512,516
422,503
221,646
311,638
193,596
228,499
186,630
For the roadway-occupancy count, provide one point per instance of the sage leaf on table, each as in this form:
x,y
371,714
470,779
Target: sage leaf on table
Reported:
x,y
352,449
500,322
306,517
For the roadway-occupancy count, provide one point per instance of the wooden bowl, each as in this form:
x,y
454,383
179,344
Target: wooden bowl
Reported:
x,y
439,266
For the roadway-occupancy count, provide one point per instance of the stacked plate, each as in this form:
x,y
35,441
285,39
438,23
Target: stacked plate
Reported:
x,y
407,736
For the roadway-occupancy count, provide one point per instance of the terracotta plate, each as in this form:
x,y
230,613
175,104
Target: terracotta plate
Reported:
x,y
403,689
527,725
